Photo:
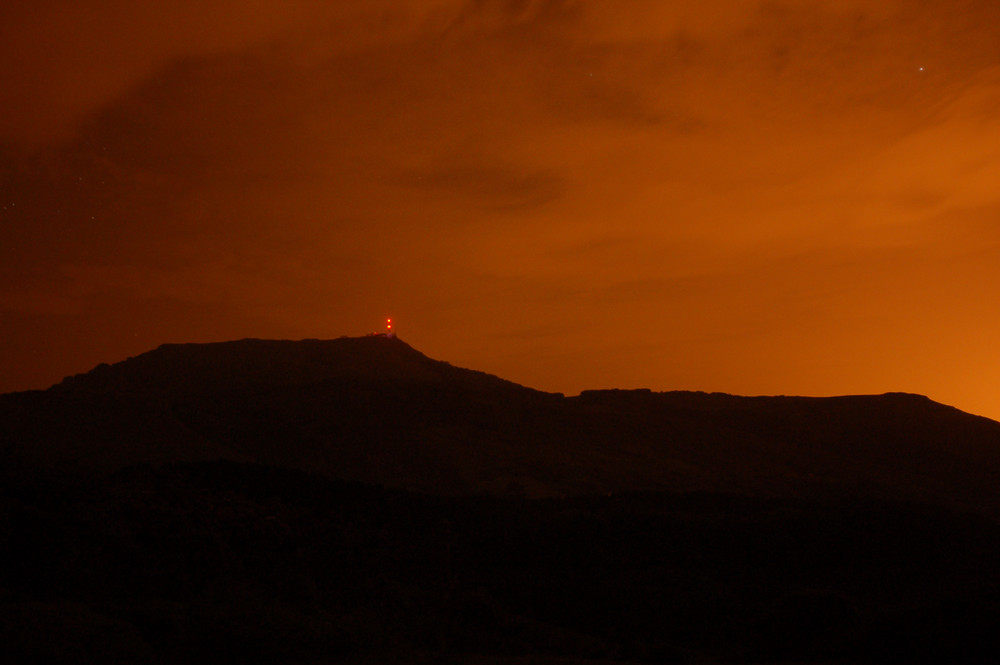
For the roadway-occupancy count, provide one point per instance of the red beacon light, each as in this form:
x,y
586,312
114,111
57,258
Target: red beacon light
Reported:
x,y
388,330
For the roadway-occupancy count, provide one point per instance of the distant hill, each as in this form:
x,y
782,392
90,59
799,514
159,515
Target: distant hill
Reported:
x,y
354,501
373,409
184,371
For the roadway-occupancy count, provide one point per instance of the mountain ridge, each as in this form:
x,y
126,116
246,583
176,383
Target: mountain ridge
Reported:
x,y
256,361
375,410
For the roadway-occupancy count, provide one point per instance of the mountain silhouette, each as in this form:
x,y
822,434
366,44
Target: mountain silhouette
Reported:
x,y
355,501
375,410
184,371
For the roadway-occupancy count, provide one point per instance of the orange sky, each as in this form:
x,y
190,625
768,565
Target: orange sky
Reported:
x,y
787,197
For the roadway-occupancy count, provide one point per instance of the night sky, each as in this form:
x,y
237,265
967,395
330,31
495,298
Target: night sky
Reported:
x,y
787,197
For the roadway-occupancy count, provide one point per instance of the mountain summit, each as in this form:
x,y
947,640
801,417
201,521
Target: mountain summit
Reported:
x,y
177,371
373,409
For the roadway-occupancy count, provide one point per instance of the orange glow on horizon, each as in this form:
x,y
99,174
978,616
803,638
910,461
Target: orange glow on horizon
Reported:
x,y
799,198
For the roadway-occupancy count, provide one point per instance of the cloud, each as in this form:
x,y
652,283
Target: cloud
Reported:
x,y
953,161
487,187
730,173
64,61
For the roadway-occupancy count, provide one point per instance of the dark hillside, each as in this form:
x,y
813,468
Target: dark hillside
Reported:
x,y
375,410
83,432
176,372
234,563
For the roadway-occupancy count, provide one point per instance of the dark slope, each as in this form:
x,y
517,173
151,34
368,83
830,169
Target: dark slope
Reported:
x,y
234,563
82,432
896,445
373,409
740,529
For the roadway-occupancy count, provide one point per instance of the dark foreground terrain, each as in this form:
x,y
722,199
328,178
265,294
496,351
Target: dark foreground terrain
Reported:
x,y
223,562
353,501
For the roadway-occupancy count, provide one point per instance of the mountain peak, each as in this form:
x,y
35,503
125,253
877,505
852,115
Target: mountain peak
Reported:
x,y
173,370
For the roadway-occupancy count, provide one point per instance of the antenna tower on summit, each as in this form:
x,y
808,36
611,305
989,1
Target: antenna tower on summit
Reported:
x,y
388,328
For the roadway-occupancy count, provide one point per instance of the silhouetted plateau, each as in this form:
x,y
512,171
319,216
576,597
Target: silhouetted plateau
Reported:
x,y
354,501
